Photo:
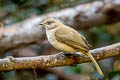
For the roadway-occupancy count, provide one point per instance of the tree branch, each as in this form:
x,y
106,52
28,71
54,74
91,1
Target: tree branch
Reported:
x,y
60,59
80,17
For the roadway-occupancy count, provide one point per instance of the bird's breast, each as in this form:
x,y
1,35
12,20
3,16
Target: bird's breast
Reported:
x,y
56,44
50,35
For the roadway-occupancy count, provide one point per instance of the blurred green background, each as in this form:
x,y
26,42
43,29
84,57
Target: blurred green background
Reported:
x,y
12,11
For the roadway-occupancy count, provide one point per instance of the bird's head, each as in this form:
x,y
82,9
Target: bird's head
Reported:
x,y
50,23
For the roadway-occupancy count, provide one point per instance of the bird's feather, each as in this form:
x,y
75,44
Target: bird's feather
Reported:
x,y
72,38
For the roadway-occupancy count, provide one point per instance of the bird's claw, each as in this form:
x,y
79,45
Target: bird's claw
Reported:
x,y
11,59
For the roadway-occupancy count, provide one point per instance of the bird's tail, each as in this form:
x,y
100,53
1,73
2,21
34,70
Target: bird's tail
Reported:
x,y
96,64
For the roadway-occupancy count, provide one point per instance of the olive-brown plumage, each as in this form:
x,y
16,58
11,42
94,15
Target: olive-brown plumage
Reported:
x,y
67,39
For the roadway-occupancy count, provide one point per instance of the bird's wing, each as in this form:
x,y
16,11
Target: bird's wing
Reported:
x,y
70,37
86,41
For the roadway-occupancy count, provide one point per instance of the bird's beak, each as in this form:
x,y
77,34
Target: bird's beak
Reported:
x,y
41,24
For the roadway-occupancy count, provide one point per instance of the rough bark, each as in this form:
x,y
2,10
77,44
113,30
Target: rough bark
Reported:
x,y
60,59
82,16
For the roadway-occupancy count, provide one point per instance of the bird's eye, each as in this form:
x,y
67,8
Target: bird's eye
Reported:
x,y
49,22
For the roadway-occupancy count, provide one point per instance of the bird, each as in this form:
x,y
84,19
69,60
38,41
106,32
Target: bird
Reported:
x,y
67,39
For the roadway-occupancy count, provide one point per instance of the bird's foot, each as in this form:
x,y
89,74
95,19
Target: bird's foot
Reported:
x,y
11,59
67,54
70,55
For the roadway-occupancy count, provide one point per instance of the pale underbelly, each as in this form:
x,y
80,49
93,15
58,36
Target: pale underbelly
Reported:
x,y
61,46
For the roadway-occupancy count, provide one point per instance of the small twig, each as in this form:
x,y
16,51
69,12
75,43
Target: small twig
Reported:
x,y
35,74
